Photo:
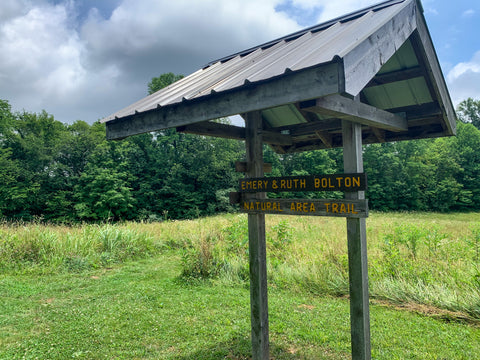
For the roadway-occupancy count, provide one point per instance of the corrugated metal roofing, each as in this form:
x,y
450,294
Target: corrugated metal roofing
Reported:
x,y
311,47
382,55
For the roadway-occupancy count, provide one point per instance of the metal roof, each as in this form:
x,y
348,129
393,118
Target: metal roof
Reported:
x,y
382,56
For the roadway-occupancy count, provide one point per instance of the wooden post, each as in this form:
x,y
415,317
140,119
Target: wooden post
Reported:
x,y
357,249
257,243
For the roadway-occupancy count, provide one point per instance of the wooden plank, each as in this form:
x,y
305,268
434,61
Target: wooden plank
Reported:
x,y
427,52
394,76
364,61
276,138
326,138
309,128
257,243
379,134
306,207
348,109
242,166
293,87
330,182
357,250
208,128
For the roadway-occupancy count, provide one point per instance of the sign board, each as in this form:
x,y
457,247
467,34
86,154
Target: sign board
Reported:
x,y
335,182
309,207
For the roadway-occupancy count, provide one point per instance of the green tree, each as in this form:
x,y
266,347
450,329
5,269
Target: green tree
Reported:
x,y
162,81
103,191
468,111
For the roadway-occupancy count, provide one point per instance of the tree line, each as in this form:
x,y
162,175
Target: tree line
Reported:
x,y
60,172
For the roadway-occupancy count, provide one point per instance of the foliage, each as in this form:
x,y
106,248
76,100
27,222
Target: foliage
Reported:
x,y
67,173
162,81
469,112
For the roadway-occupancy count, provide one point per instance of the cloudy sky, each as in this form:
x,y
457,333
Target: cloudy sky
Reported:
x,y
85,59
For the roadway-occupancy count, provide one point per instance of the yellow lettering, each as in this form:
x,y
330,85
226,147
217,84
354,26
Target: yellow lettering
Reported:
x,y
282,184
299,206
353,210
348,182
327,206
265,183
292,206
334,208
324,182
269,206
274,184
312,207
356,181
330,183
303,183
258,205
342,208
249,184
246,205
243,185
295,181
254,186
305,209
339,181
316,183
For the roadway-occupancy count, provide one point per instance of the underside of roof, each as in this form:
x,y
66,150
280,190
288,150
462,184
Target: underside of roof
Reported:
x,y
376,67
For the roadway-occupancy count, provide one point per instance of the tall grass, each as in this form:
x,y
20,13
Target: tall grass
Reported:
x,y
35,248
431,259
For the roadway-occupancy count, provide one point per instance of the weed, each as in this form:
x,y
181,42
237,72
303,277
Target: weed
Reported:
x,y
474,241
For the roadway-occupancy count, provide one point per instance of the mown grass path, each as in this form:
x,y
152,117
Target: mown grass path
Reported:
x,y
140,310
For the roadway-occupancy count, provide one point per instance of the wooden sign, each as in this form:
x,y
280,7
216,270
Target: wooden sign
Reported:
x,y
335,182
309,207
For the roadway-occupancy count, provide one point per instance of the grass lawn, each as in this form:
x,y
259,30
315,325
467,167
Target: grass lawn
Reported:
x,y
141,310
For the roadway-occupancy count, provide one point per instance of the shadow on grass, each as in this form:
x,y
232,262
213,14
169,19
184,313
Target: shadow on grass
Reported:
x,y
236,349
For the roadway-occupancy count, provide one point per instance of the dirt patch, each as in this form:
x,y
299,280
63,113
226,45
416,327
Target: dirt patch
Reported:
x,y
431,311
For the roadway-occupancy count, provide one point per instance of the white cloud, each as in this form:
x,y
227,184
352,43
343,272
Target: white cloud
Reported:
x,y
86,66
464,80
334,9
86,71
41,59
468,13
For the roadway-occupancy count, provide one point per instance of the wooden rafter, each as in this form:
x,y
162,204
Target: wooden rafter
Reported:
x,y
348,109
208,128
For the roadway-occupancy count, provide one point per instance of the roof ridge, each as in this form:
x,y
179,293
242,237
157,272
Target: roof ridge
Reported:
x,y
344,18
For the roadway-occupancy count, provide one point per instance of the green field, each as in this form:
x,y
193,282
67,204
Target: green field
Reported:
x,y
179,289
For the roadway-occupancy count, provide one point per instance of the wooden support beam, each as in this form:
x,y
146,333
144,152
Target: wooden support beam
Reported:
x,y
276,138
208,128
423,44
257,242
326,138
311,127
357,249
242,166
348,109
394,76
379,134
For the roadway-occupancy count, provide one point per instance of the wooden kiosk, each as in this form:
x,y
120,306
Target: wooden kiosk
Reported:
x,y
366,77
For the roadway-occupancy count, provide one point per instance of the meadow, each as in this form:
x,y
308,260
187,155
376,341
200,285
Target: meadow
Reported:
x,y
179,289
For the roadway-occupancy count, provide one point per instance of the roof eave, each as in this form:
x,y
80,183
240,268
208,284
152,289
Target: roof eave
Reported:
x,y
291,87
